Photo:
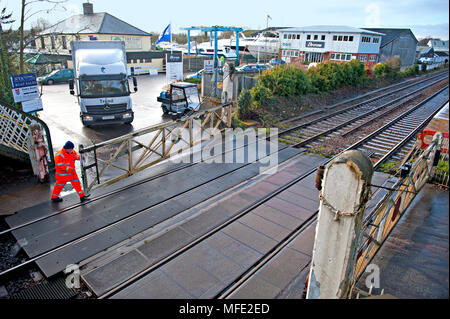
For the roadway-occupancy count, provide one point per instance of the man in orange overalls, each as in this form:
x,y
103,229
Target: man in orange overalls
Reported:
x,y
65,172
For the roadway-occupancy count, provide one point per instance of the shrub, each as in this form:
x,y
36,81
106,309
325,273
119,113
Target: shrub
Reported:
x,y
260,95
244,104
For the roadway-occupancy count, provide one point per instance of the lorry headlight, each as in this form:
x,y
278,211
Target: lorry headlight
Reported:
x,y
126,115
88,118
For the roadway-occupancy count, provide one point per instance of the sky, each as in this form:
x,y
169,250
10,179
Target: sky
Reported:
x,y
423,17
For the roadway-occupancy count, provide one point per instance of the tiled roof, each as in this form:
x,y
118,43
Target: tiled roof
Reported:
x,y
100,23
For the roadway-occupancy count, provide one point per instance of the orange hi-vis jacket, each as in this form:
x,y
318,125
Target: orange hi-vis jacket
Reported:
x,y
65,172
65,164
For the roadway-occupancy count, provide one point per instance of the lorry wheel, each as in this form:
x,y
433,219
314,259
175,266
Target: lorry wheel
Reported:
x,y
164,108
50,82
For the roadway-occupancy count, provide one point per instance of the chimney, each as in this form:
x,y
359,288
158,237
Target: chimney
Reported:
x,y
88,8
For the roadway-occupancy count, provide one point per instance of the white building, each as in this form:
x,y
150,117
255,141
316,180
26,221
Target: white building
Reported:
x,y
329,43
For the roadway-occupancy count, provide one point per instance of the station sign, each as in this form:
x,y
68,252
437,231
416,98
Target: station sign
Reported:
x,y
24,87
315,44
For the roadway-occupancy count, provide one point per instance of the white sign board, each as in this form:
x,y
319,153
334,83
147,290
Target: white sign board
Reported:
x,y
174,67
32,105
209,66
153,71
24,87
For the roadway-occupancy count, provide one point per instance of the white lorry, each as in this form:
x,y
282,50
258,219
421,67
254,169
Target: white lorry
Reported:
x,y
101,82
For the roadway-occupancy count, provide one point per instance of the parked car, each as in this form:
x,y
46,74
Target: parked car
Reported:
x,y
56,76
276,61
253,67
198,75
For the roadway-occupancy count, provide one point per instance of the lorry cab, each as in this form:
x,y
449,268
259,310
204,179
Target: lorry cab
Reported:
x,y
57,76
101,82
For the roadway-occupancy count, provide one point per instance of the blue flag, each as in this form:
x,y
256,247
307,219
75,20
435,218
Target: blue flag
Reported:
x,y
165,36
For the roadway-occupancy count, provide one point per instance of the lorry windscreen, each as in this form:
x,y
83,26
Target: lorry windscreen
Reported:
x,y
104,88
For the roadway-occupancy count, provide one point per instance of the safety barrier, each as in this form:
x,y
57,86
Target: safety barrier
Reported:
x,y
416,170
113,160
14,130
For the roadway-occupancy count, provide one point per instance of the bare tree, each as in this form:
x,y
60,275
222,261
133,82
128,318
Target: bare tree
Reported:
x,y
26,13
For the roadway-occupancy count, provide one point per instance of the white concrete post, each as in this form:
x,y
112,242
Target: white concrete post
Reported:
x,y
343,197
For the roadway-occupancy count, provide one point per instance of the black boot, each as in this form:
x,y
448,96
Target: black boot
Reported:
x,y
57,199
85,197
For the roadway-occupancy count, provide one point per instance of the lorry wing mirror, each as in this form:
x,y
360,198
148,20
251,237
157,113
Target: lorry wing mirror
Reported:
x,y
71,87
135,84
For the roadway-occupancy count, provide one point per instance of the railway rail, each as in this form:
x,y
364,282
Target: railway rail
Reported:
x,y
407,123
264,259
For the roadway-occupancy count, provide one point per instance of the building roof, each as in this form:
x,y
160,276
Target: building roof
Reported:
x,y
391,34
423,49
329,28
438,45
441,53
97,23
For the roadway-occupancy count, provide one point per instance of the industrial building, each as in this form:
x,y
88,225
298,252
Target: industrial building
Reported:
x,y
329,43
397,43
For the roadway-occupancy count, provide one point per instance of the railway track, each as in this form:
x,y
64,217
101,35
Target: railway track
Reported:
x,y
304,134
403,122
227,291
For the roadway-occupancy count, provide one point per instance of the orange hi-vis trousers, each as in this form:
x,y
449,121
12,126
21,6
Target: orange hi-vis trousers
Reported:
x,y
62,180
65,172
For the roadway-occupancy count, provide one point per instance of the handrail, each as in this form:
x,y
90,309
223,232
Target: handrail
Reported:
x,y
51,164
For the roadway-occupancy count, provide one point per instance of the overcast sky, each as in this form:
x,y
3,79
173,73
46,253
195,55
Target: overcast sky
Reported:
x,y
424,17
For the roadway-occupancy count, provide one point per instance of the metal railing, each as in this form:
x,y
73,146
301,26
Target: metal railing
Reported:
x,y
14,130
380,221
113,160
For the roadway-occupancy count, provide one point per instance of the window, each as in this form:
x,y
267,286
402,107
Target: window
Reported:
x,y
340,38
285,36
348,57
375,40
365,39
283,53
338,56
308,37
350,38
333,56
323,37
345,38
298,36
363,58
42,43
372,58
63,40
334,37
316,37
296,53
53,42
289,36
78,38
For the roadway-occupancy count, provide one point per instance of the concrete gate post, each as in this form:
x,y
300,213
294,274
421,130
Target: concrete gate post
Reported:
x,y
342,201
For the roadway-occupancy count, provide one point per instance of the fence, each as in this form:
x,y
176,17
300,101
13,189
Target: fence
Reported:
x,y
14,130
379,222
347,236
111,161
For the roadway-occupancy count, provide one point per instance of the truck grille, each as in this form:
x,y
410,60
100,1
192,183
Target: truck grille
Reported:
x,y
106,109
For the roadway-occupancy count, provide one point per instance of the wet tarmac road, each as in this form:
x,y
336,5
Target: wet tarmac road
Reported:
x,y
62,113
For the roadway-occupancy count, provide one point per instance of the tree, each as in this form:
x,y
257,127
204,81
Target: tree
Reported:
x,y
5,88
27,13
